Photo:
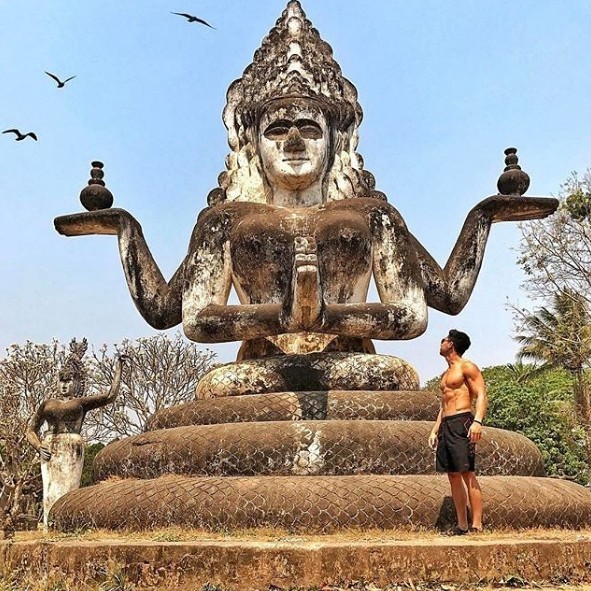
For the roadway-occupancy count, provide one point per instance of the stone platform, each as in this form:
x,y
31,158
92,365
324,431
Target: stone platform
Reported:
x,y
305,563
313,461
314,504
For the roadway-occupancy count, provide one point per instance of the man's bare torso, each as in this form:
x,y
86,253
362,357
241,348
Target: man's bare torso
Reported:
x,y
455,394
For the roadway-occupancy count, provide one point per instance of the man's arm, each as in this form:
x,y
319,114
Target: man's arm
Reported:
x,y
435,430
475,382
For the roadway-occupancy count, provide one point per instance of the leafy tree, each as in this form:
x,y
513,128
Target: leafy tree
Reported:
x,y
90,451
560,336
541,409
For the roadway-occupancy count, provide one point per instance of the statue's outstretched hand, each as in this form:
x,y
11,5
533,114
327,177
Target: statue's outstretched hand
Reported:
x,y
507,208
102,221
45,452
123,359
304,308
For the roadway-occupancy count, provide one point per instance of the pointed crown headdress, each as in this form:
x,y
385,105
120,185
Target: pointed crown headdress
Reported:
x,y
73,368
293,61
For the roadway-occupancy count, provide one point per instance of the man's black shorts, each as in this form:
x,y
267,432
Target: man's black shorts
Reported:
x,y
455,453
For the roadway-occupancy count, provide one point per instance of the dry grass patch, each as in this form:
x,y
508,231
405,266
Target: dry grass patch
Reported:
x,y
179,534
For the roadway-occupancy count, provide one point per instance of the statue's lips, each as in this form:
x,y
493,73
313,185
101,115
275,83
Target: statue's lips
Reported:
x,y
296,160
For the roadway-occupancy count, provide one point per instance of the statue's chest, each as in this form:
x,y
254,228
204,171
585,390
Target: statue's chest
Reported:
x,y
68,411
269,237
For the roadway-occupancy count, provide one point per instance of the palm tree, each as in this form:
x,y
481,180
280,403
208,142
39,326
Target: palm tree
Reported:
x,y
561,337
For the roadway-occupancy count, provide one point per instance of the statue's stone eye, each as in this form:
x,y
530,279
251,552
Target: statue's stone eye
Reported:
x,y
276,132
310,132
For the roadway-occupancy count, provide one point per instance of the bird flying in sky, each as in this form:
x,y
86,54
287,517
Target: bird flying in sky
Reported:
x,y
60,84
20,136
193,19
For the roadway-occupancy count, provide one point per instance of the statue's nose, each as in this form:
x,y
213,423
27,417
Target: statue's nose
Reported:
x,y
294,141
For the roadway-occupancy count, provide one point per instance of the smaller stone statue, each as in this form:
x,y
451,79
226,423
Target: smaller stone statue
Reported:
x,y
61,447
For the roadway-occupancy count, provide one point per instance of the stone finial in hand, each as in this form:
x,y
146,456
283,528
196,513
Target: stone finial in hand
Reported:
x,y
513,181
96,195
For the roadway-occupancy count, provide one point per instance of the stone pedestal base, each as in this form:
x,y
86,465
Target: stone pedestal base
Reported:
x,y
303,563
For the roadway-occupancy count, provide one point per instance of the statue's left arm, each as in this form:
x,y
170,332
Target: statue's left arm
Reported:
x,y
448,290
32,432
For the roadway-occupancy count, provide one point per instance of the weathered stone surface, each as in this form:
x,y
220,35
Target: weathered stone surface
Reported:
x,y
246,565
298,230
304,448
315,371
62,472
316,503
419,405
296,225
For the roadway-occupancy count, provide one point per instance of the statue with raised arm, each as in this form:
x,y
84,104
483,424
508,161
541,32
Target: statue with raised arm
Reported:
x,y
297,228
61,447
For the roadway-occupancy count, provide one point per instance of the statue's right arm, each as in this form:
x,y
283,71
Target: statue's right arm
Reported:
x,y
98,400
33,427
158,301
207,318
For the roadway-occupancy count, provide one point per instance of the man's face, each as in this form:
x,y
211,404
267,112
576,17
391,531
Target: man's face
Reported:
x,y
293,143
445,347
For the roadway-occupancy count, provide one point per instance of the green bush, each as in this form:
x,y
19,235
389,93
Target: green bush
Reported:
x,y
541,408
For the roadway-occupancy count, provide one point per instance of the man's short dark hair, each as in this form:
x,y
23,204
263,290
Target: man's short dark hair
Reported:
x,y
460,340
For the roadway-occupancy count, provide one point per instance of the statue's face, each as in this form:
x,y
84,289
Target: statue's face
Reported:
x,y
293,143
66,387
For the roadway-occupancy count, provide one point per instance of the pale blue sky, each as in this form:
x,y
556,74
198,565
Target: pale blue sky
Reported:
x,y
445,87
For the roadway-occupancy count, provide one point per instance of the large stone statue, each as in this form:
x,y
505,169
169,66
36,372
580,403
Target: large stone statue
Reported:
x,y
318,430
62,447
298,230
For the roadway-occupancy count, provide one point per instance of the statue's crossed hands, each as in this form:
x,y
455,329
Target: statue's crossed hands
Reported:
x,y
303,310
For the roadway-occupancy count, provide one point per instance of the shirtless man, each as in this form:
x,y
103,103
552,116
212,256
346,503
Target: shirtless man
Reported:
x,y
459,427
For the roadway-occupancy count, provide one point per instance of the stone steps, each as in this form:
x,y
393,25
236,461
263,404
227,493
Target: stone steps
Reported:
x,y
304,448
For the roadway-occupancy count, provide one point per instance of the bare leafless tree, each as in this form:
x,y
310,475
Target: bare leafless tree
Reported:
x,y
163,372
555,253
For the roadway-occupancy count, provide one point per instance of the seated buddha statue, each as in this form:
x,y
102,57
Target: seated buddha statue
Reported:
x,y
298,230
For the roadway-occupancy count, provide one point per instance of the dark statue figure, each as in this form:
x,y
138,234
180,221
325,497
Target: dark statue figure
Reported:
x,y
61,447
